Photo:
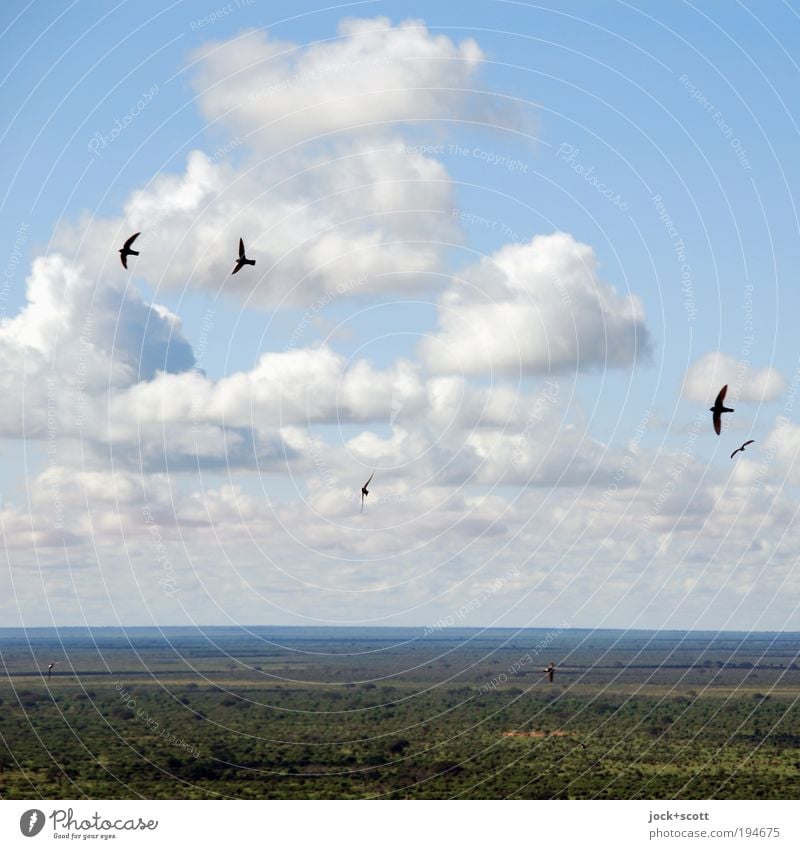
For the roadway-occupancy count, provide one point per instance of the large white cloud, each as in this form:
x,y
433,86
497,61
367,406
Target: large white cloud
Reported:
x,y
373,74
369,219
75,340
357,213
536,308
68,312
103,374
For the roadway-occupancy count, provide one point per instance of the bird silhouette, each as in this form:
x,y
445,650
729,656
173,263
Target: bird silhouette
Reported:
x,y
365,491
749,442
50,669
719,408
551,668
243,260
125,251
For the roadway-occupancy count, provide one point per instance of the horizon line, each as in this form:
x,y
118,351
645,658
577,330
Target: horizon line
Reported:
x,y
438,631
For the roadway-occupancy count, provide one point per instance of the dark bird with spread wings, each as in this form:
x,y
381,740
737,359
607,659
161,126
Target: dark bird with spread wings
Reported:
x,y
719,408
50,669
749,442
125,251
365,491
243,260
551,671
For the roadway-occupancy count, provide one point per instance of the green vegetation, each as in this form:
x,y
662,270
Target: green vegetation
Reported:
x,y
352,714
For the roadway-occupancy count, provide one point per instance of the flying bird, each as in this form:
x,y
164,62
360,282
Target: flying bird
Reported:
x,y
365,491
719,408
50,669
551,668
125,251
749,442
243,260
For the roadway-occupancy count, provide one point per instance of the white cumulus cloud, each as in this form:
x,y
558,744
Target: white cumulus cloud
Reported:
x,y
536,308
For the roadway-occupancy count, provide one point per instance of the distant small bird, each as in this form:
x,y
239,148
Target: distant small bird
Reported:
x,y
719,408
551,669
749,442
365,491
50,670
125,251
243,260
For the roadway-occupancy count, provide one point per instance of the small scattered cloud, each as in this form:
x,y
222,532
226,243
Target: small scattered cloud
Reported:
x,y
712,371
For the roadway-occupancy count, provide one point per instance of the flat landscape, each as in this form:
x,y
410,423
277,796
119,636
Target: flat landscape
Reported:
x,y
286,713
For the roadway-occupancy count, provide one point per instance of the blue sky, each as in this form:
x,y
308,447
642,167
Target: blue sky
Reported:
x,y
661,139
